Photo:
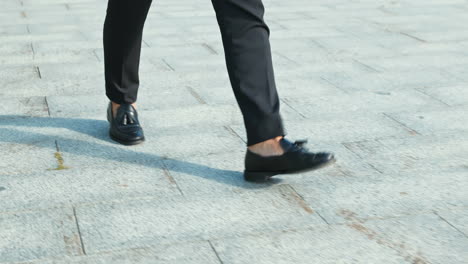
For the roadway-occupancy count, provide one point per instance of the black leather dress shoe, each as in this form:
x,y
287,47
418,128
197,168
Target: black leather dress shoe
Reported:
x,y
295,159
125,127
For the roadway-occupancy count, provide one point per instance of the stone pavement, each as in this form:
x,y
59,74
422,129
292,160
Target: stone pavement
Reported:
x,y
383,84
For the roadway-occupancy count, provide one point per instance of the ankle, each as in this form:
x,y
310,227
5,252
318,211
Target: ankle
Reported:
x,y
267,148
115,107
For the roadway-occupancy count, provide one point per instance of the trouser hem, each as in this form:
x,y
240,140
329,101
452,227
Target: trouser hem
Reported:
x,y
265,130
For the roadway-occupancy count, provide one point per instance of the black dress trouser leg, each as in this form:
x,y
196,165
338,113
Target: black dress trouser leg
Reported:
x,y
247,52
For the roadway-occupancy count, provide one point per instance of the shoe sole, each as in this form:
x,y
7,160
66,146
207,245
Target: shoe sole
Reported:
x,y
127,143
263,176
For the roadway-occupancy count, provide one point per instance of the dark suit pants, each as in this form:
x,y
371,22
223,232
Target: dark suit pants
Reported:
x,y
247,52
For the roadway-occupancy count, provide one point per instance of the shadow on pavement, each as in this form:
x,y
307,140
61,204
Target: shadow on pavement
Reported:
x,y
99,129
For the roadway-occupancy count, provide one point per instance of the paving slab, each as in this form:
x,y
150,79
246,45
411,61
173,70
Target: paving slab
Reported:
x,y
24,152
86,140
458,72
401,63
42,87
457,218
421,238
27,106
380,84
147,222
24,158
72,184
160,144
362,102
351,46
220,174
384,195
400,240
355,126
73,71
59,36
433,121
15,49
194,252
38,234
442,36
11,75
84,106
391,81
13,30
431,153
454,95
331,245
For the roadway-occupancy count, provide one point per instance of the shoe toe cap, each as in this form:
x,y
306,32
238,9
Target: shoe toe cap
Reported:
x,y
325,157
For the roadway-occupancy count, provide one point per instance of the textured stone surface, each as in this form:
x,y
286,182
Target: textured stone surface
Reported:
x,y
23,152
27,106
77,184
39,234
434,153
457,218
345,128
146,222
321,245
421,238
195,252
382,84
432,121
400,240
384,195
456,95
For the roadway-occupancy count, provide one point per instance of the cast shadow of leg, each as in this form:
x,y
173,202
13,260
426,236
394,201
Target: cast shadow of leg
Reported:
x,y
98,129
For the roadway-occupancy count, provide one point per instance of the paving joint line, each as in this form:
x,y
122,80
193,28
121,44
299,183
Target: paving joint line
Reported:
x,y
79,232
171,179
410,130
48,110
210,49
334,85
234,133
168,65
31,45
304,204
38,71
372,69
323,218
445,220
375,168
285,101
96,55
356,223
413,37
389,137
279,54
196,95
279,24
320,45
431,96
300,200
83,35
216,252
357,154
